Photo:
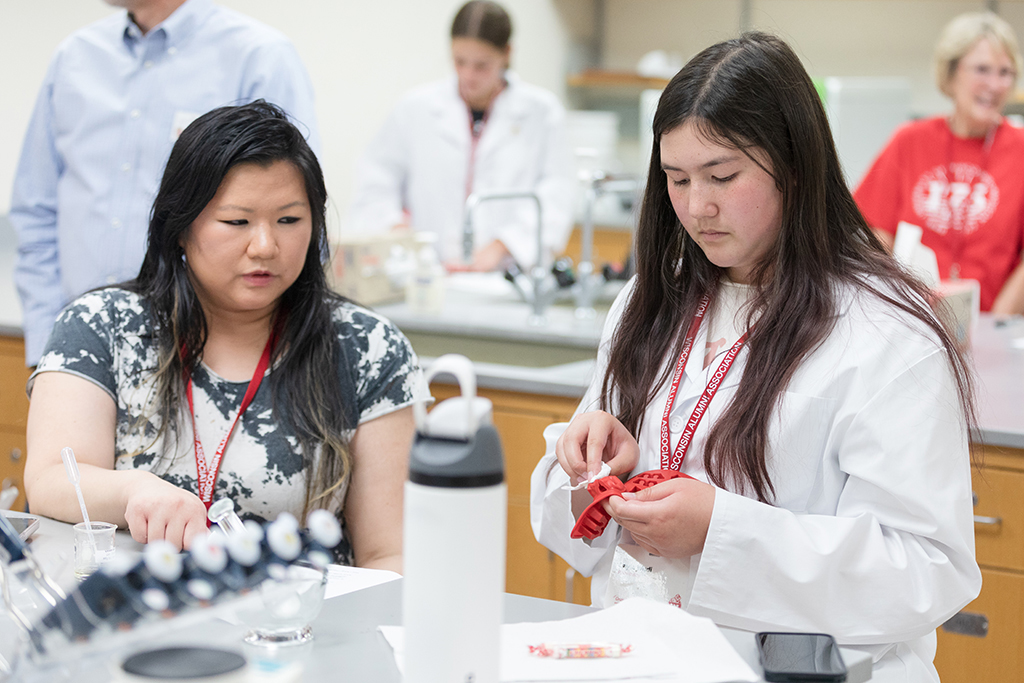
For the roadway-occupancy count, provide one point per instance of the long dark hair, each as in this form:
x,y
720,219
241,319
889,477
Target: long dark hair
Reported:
x,y
303,393
752,93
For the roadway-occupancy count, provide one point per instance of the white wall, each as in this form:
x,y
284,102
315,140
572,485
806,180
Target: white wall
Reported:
x,y
29,32
832,37
361,57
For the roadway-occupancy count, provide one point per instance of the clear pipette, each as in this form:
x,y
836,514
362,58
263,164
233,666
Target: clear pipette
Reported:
x,y
71,467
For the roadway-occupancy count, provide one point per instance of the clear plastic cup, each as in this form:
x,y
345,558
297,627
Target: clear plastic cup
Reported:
x,y
90,557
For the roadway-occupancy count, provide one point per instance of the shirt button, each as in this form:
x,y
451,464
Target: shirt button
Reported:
x,y
126,167
136,113
172,50
148,64
116,223
111,279
676,423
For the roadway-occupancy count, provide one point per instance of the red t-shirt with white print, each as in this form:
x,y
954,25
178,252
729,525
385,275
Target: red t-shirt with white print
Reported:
x,y
965,193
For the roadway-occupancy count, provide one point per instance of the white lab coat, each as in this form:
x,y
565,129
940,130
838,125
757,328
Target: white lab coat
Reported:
x,y
871,536
420,160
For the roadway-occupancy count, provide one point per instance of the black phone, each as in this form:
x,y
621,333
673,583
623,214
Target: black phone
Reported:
x,y
800,658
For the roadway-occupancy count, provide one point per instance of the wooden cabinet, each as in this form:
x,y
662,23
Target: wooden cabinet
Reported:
x,y
610,246
531,569
999,538
13,414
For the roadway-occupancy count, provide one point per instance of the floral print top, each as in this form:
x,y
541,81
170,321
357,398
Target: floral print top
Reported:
x,y
106,337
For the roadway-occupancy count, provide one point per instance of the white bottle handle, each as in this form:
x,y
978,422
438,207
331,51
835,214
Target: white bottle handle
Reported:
x,y
462,368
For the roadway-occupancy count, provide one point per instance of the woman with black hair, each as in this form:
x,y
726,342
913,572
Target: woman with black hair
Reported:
x,y
823,415
228,368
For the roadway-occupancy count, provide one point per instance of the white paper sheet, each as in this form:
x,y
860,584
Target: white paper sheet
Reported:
x,y
342,579
668,645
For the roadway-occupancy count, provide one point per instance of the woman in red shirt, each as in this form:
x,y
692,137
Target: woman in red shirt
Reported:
x,y
958,177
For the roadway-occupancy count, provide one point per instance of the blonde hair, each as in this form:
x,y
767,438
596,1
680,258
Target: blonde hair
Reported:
x,y
962,34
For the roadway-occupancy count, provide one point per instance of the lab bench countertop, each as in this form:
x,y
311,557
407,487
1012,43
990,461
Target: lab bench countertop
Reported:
x,y
998,354
485,305
487,310
485,319
346,644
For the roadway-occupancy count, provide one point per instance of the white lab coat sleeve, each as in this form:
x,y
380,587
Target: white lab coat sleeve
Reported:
x,y
382,177
551,510
556,188
895,561
34,218
551,506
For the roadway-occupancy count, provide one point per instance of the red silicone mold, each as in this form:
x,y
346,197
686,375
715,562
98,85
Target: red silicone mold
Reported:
x,y
594,520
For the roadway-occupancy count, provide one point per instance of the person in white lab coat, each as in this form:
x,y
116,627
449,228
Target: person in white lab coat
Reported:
x,y
481,130
830,486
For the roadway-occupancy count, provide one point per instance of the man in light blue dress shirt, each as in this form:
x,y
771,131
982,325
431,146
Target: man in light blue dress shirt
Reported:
x,y
115,98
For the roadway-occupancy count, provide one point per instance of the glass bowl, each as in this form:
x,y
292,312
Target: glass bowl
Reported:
x,y
285,606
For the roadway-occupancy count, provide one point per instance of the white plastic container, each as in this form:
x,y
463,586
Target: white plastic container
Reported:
x,y
454,546
425,294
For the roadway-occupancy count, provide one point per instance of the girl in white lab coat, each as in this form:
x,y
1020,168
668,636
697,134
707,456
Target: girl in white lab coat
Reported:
x,y
482,130
830,486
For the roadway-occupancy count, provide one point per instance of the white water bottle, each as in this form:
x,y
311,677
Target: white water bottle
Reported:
x,y
454,546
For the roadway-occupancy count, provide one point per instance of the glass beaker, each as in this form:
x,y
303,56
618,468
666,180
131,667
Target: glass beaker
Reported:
x,y
286,605
94,546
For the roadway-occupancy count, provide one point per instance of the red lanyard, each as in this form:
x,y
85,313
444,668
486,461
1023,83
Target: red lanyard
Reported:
x,y
674,461
206,473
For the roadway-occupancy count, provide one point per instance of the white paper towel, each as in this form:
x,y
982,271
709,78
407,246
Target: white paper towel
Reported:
x,y
668,645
